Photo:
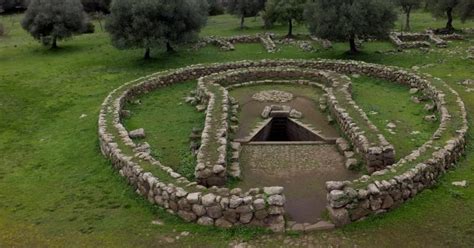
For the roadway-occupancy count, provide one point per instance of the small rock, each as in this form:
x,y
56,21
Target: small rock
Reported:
x,y
273,190
200,108
391,125
413,91
83,116
431,118
462,184
295,114
157,222
266,112
320,226
351,163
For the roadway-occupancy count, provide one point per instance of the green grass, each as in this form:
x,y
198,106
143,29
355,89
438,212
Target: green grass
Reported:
x,y
168,122
391,103
56,189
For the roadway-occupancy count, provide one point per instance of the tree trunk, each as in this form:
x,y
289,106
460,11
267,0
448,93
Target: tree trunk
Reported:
x,y
290,28
407,23
353,45
54,45
169,48
100,24
147,53
449,25
242,20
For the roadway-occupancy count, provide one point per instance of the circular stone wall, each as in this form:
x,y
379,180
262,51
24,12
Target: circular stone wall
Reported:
x,y
387,187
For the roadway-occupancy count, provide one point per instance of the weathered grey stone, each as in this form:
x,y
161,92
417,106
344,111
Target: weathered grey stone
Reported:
x,y
339,216
245,218
137,134
231,215
261,214
298,227
273,190
462,184
259,204
218,169
199,210
430,118
214,211
266,112
208,200
235,201
338,198
387,202
187,215
332,185
244,209
320,226
276,200
222,223
205,221
276,210
372,189
375,203
277,223
351,163
295,114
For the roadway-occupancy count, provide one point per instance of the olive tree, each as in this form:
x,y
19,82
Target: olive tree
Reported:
x,y
245,8
285,12
153,23
450,8
348,19
215,7
407,6
466,10
446,8
7,6
51,20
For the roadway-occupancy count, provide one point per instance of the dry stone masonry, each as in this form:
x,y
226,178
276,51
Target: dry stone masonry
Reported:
x,y
386,188
418,40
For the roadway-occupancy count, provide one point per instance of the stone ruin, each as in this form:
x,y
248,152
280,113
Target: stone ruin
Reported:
x,y
207,201
420,40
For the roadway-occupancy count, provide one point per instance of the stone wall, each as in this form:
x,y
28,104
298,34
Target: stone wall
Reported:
x,y
416,40
376,151
348,201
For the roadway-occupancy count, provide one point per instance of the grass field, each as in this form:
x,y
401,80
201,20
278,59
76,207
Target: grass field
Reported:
x,y
57,190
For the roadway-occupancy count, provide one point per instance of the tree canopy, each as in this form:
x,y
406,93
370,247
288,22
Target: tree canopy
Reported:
x,y
284,11
153,23
91,6
349,19
52,20
407,6
13,5
245,8
215,7
450,8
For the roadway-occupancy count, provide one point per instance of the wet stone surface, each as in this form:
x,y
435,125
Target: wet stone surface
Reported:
x,y
301,169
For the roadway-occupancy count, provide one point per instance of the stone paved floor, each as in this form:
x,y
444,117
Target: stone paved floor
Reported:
x,y
301,169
